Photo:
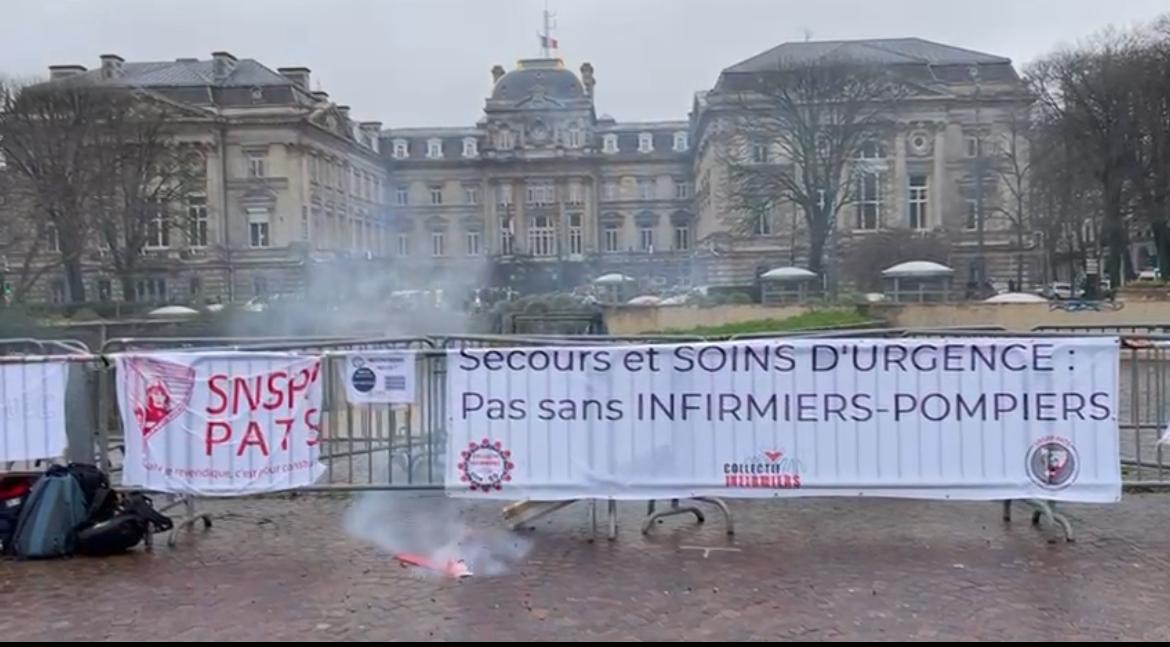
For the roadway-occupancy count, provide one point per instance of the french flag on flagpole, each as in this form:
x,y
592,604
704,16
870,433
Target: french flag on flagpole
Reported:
x,y
548,42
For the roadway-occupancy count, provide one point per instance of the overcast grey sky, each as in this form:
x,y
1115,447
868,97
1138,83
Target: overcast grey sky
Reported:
x,y
427,62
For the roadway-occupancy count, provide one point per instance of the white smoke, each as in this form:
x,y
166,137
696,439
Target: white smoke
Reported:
x,y
437,529
440,530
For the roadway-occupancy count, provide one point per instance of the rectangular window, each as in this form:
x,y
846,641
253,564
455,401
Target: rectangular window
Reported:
x,y
869,201
760,153
609,144
764,225
436,195
541,236
918,207
646,189
506,236
58,290
158,229
576,193
472,241
972,214
151,290
401,149
682,190
258,234
610,190
646,239
682,238
576,238
402,196
434,148
504,194
197,221
470,147
106,290
612,237
972,146
576,138
471,194
541,193
645,142
314,168
404,244
438,244
257,165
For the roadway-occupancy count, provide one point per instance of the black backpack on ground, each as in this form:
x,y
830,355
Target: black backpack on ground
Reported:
x,y
134,519
100,500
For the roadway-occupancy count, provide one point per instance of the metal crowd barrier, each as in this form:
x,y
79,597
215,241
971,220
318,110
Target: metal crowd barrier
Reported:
x,y
403,447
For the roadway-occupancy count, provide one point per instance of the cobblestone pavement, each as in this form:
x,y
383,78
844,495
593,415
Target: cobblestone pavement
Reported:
x,y
281,569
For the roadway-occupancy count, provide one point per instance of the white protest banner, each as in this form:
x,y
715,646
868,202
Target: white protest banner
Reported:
x,y
32,395
378,376
220,423
976,419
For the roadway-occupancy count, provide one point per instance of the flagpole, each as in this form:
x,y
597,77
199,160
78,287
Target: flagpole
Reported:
x,y
545,35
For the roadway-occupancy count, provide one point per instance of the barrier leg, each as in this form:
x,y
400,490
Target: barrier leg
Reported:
x,y
1046,511
612,520
727,518
674,510
1007,511
191,515
592,519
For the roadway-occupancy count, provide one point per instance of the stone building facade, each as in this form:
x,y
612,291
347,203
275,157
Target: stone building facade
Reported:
x,y
543,186
543,192
963,110
293,183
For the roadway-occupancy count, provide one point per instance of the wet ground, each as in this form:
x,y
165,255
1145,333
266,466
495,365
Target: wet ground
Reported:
x,y
278,569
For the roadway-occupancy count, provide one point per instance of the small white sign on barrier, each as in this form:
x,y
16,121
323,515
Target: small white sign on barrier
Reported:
x,y
378,376
976,419
32,395
220,423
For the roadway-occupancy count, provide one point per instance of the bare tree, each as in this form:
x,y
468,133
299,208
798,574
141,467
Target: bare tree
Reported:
x,y
98,162
1090,94
48,134
795,135
151,174
1151,180
1013,168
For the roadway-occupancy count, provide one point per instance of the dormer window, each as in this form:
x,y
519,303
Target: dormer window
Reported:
x,y
434,148
505,140
645,142
401,149
575,138
680,142
470,147
609,144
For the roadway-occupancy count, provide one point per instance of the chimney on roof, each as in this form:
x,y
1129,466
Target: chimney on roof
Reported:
x,y
223,63
321,96
299,76
344,110
373,132
186,60
57,72
112,66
